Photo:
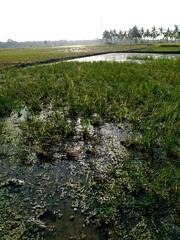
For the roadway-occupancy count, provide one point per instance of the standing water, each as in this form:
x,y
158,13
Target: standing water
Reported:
x,y
124,57
41,200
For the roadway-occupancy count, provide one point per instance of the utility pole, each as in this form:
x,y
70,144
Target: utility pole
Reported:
x,y
101,29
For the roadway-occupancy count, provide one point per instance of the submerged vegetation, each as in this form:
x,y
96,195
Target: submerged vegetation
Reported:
x,y
69,112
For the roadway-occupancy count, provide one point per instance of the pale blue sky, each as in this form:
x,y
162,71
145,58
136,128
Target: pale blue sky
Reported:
x,y
23,20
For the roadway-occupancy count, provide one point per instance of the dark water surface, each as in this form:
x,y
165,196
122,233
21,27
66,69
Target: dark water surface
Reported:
x,y
54,199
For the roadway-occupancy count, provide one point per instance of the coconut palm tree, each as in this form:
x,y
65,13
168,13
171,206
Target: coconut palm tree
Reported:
x,y
154,33
161,30
147,34
120,35
167,34
125,35
114,36
107,36
134,34
176,32
142,33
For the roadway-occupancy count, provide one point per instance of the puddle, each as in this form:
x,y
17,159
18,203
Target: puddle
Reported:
x,y
56,198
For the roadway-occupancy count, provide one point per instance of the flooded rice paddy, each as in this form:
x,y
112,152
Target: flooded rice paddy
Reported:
x,y
64,176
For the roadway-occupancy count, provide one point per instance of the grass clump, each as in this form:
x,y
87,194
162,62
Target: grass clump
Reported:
x,y
147,95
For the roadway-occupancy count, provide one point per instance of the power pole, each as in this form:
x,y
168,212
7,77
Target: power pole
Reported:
x,y
101,29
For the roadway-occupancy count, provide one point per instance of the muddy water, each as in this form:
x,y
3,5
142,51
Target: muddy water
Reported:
x,y
124,57
54,201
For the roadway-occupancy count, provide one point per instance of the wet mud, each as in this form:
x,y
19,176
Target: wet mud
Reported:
x,y
54,200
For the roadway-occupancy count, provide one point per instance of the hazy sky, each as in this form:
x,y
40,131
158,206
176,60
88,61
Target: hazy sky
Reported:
x,y
23,20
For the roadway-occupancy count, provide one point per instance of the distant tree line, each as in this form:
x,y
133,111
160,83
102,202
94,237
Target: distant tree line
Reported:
x,y
136,35
14,44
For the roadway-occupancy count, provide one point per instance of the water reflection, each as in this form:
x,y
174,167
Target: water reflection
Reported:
x,y
124,57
